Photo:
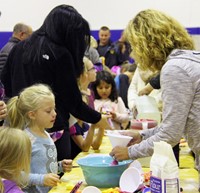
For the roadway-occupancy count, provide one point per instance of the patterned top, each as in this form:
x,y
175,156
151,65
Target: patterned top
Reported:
x,y
43,161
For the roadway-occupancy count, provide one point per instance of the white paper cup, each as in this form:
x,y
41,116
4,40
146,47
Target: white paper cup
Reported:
x,y
91,189
131,180
137,164
117,139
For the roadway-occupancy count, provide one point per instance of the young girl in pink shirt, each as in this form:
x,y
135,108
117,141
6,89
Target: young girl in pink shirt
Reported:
x,y
107,100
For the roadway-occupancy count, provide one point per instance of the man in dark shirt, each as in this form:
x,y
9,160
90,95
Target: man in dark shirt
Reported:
x,y
106,48
20,32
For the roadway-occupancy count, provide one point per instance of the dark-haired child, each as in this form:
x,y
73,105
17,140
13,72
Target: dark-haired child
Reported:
x,y
108,101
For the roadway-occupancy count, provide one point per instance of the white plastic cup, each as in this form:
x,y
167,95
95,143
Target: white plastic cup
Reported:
x,y
131,180
136,164
117,139
91,189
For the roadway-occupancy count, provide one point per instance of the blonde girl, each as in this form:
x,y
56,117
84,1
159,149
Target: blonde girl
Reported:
x,y
34,111
86,78
15,155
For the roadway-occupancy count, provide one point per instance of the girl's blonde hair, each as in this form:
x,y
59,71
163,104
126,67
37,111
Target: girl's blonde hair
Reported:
x,y
15,156
30,99
93,42
86,62
153,35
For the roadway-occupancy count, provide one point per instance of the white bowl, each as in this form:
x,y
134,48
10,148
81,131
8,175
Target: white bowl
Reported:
x,y
117,139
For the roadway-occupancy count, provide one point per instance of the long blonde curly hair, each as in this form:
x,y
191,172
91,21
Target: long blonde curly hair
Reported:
x,y
153,35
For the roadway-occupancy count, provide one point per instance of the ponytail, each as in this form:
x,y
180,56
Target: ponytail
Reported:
x,y
15,118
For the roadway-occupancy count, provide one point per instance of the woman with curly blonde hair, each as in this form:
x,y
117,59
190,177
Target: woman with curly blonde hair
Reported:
x,y
153,35
160,43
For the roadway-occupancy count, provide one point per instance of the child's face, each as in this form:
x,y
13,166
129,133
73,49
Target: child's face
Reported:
x,y
104,89
91,72
45,116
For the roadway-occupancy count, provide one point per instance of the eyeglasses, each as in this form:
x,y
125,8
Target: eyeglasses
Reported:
x,y
93,68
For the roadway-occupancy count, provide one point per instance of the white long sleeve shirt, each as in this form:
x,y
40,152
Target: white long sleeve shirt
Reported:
x,y
138,84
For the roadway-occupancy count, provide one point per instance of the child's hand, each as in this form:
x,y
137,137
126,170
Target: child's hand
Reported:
x,y
51,179
67,165
103,123
104,111
113,115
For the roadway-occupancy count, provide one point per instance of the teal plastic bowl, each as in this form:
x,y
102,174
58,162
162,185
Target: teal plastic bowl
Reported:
x,y
98,171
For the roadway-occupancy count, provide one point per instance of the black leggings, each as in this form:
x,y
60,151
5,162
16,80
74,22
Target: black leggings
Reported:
x,y
63,146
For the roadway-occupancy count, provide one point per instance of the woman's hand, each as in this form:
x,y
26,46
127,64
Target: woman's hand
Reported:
x,y
120,153
136,137
146,90
103,123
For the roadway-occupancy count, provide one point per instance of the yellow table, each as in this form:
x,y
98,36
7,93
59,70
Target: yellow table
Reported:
x,y
188,175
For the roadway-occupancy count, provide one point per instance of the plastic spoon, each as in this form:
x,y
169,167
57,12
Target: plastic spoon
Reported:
x,y
114,162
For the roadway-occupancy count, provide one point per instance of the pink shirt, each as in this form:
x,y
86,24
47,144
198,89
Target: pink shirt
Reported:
x,y
118,107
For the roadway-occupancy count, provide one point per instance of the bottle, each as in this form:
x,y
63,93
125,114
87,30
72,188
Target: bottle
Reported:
x,y
147,108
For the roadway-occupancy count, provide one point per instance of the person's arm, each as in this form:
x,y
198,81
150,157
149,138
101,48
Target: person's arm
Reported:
x,y
146,90
154,83
36,179
98,139
44,179
68,96
122,115
133,90
84,143
174,112
6,75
